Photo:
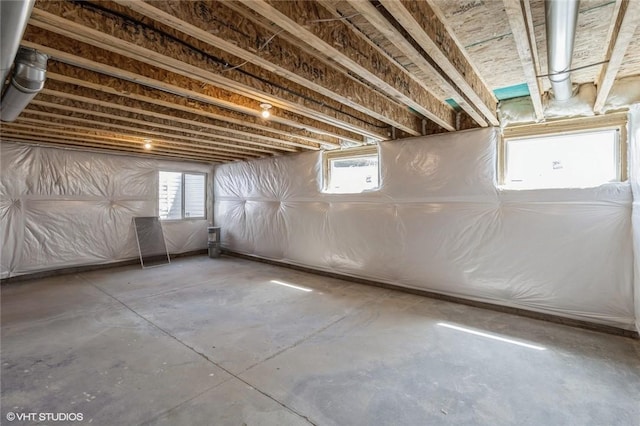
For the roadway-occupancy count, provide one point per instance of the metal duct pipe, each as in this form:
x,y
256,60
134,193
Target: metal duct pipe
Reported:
x,y
561,20
27,79
14,15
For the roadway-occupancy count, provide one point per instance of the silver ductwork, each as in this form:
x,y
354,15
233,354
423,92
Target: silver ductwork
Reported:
x,y
27,79
561,19
14,15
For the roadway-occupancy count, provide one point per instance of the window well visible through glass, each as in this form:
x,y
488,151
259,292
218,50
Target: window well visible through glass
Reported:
x,y
170,195
181,195
194,195
353,174
575,160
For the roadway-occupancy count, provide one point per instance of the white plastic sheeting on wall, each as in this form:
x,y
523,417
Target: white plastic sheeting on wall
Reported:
x,y
439,223
61,208
634,177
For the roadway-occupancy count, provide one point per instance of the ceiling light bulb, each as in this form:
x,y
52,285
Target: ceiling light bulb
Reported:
x,y
147,145
265,110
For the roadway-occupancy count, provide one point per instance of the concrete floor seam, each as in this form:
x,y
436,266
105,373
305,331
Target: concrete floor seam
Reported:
x,y
204,356
295,344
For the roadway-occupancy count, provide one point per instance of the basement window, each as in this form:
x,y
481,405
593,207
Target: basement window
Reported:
x,y
181,195
352,171
568,160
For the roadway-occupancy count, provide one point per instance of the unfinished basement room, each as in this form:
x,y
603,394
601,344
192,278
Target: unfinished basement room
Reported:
x,y
320,212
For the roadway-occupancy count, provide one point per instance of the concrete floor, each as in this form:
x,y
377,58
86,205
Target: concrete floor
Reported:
x,y
217,342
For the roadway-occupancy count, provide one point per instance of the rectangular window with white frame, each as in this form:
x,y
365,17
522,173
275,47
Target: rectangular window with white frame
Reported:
x,y
580,158
182,195
351,171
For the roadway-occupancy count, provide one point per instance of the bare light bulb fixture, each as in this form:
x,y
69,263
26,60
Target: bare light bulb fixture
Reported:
x,y
147,144
265,110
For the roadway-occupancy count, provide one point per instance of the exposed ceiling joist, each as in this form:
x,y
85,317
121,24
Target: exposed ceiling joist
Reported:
x,y
86,123
253,43
71,130
192,74
621,34
156,117
72,94
14,132
525,42
393,34
102,147
236,91
421,21
158,80
81,78
338,42
43,108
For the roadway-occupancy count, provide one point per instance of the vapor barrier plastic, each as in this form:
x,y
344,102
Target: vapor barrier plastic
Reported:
x,y
634,177
439,223
62,208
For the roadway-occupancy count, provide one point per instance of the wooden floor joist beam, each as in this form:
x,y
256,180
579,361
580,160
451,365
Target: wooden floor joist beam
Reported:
x,y
423,24
49,109
525,43
101,148
83,79
338,42
157,116
78,54
209,22
45,118
157,49
17,136
620,36
394,35
25,126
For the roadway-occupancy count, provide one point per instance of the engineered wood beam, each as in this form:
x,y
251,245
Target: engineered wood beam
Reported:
x,y
83,98
525,43
131,40
112,86
221,27
18,135
43,108
95,147
409,49
621,34
340,44
45,118
75,53
149,114
26,127
423,24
